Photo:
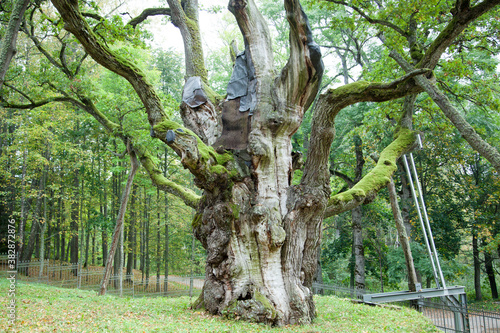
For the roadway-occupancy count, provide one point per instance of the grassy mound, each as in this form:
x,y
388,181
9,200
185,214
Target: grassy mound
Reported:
x,y
42,308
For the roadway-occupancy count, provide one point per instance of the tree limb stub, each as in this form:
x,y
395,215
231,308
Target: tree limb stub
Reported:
x,y
256,35
185,17
74,23
303,72
366,189
202,160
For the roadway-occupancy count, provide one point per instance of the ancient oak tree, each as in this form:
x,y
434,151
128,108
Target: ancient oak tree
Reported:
x,y
261,233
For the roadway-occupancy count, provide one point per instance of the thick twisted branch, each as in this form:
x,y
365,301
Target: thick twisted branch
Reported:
x,y
147,13
367,188
74,22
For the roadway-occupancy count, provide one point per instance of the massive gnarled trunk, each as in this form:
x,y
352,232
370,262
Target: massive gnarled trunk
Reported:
x,y
261,233
261,237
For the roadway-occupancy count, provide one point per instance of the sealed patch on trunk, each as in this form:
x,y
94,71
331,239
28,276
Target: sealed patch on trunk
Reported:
x,y
243,84
235,126
193,94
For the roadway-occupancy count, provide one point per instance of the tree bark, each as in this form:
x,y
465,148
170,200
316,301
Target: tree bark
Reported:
x,y
403,237
35,227
22,222
477,265
158,243
357,224
74,223
42,237
167,221
359,251
147,258
104,231
131,235
119,222
9,40
490,272
405,202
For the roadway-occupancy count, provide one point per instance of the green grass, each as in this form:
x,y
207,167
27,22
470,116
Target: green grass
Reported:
x,y
42,308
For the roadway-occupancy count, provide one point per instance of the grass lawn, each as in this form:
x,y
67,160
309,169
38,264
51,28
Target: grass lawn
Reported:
x,y
42,308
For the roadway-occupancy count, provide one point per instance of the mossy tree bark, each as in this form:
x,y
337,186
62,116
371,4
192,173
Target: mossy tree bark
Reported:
x,y
9,39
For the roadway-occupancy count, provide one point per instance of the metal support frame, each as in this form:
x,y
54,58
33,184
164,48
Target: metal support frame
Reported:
x,y
454,297
398,296
426,227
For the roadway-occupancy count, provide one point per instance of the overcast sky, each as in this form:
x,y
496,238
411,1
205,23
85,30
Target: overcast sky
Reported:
x,y
167,36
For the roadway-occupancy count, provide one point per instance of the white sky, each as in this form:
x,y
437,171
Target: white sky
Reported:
x,y
167,36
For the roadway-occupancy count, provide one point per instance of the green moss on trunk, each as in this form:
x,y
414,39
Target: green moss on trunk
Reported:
x,y
378,177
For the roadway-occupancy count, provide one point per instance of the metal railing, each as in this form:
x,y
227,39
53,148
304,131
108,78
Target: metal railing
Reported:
x,y
443,316
67,275
441,313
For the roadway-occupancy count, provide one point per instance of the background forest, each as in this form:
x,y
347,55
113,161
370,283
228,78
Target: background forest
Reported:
x,y
62,175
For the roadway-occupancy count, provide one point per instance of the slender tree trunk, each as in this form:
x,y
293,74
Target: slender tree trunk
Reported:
x,y
68,250
166,254
405,202
121,258
477,265
62,229
490,272
357,224
147,257
50,227
142,265
8,44
93,246
403,236
104,231
22,222
63,246
42,240
87,245
74,223
37,241
158,243
57,241
119,222
359,251
131,235
35,227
